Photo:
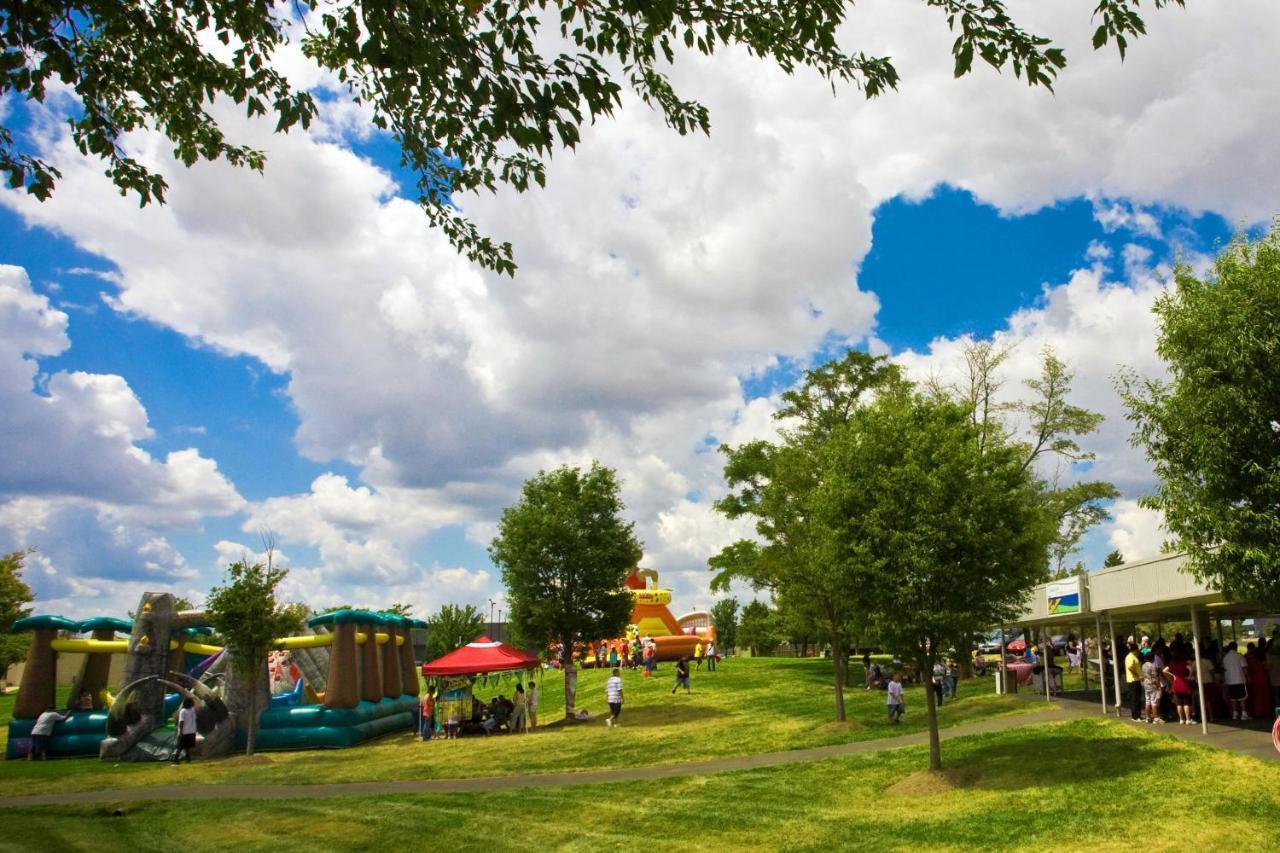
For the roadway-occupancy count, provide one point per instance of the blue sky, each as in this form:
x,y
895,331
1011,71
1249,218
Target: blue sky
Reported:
x,y
298,352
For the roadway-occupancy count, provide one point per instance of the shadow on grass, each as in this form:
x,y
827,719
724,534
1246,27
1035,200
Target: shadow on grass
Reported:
x,y
1064,756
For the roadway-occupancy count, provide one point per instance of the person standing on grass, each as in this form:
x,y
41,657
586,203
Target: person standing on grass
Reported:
x,y
519,709
426,715
531,705
697,655
939,674
682,675
613,697
1233,674
186,731
893,699
43,730
711,655
1133,680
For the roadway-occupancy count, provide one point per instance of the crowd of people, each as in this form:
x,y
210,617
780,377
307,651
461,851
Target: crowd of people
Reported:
x,y
1162,681
515,715
944,680
642,653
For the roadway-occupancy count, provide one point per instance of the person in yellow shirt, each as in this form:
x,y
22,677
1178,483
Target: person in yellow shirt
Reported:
x,y
697,655
1133,679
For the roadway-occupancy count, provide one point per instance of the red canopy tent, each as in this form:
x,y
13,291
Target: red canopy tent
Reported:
x,y
479,656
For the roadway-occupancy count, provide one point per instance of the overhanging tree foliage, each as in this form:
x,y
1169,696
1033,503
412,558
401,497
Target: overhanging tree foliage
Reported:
x,y
565,554
1213,429
476,93
244,611
15,595
452,627
937,538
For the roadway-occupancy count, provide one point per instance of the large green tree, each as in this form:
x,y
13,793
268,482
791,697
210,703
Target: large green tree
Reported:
x,y
758,628
565,553
1047,428
773,483
1212,428
245,612
476,93
937,538
724,616
15,595
452,627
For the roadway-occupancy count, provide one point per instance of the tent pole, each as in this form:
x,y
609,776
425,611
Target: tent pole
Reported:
x,y
1004,670
1195,640
1102,669
1115,660
1084,656
1045,645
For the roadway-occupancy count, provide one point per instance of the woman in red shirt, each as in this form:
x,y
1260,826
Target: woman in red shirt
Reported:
x,y
1180,673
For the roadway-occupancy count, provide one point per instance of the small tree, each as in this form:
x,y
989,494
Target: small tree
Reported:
x,y
724,616
758,630
940,538
1115,558
1213,430
245,612
15,595
452,627
773,484
565,554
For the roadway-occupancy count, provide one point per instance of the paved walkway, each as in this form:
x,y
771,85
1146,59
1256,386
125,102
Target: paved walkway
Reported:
x,y
1245,741
498,783
1251,738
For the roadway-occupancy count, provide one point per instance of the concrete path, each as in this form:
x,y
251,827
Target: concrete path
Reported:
x,y
1251,738
499,783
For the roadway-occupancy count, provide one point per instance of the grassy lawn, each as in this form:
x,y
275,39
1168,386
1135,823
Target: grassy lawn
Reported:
x,y
1082,785
747,706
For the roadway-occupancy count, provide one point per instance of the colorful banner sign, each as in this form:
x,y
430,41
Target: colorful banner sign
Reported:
x,y
1064,597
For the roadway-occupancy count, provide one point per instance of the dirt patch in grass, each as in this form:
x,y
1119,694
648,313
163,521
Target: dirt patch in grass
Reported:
x,y
839,728
931,782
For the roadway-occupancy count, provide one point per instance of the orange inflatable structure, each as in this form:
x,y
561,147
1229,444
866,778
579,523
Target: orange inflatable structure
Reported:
x,y
650,617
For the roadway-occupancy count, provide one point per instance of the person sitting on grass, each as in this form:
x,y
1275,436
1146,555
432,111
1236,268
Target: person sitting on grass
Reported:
x,y
893,699
43,730
682,675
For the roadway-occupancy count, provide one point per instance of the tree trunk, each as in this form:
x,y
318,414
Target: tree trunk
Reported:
x,y
935,746
570,686
965,651
842,675
253,720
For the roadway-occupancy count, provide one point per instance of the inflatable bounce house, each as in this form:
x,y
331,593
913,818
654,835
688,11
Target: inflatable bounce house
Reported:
x,y
650,617
351,678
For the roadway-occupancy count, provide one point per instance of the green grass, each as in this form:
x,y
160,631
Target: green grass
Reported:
x,y
1083,785
747,706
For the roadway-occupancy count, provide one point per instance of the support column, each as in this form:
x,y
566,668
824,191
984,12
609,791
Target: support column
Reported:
x,y
370,677
1045,645
408,671
1102,662
391,664
37,691
1004,669
342,688
1195,640
1084,655
1115,661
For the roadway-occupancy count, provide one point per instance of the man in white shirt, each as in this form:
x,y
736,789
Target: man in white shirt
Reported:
x,y
613,695
710,653
42,731
1233,675
186,730
893,698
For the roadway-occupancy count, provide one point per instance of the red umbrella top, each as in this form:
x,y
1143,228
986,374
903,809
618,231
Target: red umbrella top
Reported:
x,y
480,656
